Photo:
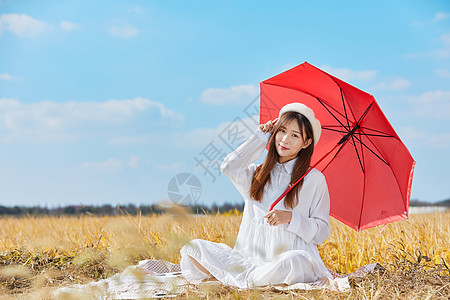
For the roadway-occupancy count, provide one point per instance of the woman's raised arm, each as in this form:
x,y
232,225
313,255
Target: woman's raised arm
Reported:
x,y
238,165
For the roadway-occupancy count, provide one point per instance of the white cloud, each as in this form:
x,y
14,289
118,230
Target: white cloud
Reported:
x,y
350,75
112,164
395,84
415,55
231,95
5,76
430,114
133,162
411,136
129,140
432,98
198,136
444,73
22,25
125,31
69,26
238,129
201,137
440,16
172,167
68,121
285,67
445,38
195,138
137,9
367,75
434,104
440,140
442,52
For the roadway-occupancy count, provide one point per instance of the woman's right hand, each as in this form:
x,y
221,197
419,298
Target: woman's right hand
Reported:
x,y
268,127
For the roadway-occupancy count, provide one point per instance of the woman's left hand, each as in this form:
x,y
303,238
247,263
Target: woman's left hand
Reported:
x,y
277,217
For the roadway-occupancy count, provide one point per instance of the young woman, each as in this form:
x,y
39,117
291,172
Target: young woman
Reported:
x,y
278,246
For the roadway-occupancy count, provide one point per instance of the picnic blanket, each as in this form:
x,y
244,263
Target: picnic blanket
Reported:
x,y
158,278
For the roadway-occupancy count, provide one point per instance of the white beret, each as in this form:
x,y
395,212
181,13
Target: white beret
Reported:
x,y
308,113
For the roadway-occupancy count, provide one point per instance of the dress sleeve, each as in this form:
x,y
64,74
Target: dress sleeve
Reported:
x,y
239,166
314,228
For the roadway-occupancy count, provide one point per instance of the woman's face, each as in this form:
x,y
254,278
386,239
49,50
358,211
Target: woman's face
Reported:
x,y
289,141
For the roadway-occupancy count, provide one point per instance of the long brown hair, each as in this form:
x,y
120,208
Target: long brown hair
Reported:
x,y
262,172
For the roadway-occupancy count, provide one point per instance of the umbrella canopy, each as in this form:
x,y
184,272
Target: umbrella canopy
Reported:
x,y
368,169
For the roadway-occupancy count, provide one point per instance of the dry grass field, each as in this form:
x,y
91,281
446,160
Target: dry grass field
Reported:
x,y
38,254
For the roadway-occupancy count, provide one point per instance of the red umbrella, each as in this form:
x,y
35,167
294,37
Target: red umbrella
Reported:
x,y
368,169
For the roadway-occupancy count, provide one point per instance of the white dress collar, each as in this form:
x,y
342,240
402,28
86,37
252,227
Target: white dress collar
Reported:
x,y
286,167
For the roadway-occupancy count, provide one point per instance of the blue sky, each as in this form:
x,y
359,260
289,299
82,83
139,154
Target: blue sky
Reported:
x,y
106,101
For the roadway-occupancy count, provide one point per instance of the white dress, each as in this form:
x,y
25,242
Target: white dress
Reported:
x,y
266,254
